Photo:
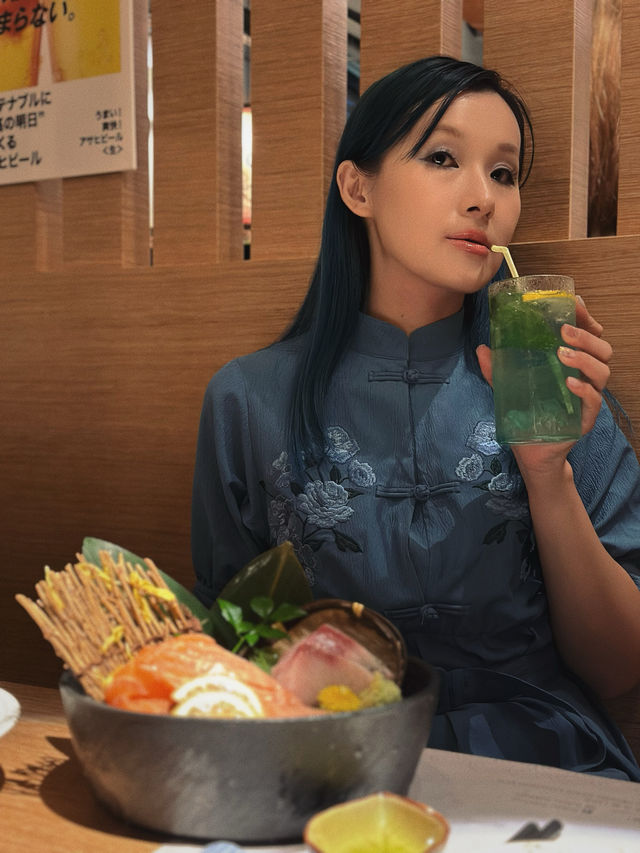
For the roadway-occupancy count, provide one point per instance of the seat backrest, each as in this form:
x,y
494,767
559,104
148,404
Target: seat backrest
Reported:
x,y
104,356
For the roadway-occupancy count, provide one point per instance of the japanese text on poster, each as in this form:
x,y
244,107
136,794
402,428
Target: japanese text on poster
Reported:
x,y
66,88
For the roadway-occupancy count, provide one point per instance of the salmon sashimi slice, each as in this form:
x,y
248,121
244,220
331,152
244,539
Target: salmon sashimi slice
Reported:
x,y
160,668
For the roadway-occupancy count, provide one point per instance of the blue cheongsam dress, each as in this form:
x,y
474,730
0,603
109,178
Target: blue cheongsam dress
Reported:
x,y
417,512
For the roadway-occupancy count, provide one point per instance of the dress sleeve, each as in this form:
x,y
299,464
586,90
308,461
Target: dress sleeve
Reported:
x,y
607,476
223,538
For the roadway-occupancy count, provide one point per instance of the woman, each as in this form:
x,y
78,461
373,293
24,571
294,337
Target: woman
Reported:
x,y
366,436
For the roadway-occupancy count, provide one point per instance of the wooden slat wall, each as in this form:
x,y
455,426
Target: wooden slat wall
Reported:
x,y
298,103
197,89
104,360
396,33
546,55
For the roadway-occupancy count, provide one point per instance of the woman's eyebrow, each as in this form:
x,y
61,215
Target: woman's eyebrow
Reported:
x,y
507,147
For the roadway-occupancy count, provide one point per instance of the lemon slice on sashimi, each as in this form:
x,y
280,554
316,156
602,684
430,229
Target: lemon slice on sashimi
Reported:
x,y
216,695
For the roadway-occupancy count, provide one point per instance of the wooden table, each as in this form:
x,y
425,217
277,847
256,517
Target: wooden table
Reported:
x,y
46,804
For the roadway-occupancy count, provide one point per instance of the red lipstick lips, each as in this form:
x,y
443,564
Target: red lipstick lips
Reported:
x,y
475,242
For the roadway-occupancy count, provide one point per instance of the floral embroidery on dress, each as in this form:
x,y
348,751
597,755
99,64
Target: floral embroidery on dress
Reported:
x,y
490,468
310,516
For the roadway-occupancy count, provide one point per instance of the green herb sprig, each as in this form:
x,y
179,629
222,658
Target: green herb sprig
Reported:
x,y
250,633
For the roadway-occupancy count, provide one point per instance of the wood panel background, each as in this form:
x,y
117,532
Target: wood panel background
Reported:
x,y
104,358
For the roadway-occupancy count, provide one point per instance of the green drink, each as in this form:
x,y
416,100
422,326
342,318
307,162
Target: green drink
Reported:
x,y
532,401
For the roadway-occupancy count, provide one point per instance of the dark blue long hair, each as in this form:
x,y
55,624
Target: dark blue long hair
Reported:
x,y
383,116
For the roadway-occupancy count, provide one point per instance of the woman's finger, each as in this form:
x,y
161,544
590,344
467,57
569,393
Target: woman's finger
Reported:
x,y
584,319
591,401
587,342
593,370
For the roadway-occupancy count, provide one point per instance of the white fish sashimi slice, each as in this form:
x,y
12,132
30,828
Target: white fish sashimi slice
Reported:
x,y
326,656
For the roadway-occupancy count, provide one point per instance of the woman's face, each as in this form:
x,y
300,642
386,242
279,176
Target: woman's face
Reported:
x,y
432,218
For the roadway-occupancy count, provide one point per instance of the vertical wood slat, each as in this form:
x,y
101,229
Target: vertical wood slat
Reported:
x,y
197,60
135,187
228,140
18,236
394,34
546,55
298,97
49,225
629,162
105,217
92,219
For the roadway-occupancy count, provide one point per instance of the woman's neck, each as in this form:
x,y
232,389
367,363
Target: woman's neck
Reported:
x,y
409,311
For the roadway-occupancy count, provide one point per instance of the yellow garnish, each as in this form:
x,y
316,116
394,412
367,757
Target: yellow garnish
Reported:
x,y
143,606
114,637
89,569
55,597
148,588
534,295
338,697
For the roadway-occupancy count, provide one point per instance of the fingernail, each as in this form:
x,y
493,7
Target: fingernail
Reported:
x,y
566,352
570,331
580,300
572,382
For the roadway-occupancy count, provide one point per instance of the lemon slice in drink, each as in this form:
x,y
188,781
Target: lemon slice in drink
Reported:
x,y
534,295
216,695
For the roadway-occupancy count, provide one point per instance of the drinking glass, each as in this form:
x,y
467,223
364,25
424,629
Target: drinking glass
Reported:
x,y
532,401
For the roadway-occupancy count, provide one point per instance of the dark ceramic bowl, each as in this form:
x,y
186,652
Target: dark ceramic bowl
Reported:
x,y
253,781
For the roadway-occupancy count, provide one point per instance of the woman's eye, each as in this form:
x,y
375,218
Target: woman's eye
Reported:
x,y
504,175
441,158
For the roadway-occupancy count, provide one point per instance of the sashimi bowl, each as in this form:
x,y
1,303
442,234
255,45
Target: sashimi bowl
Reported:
x,y
247,780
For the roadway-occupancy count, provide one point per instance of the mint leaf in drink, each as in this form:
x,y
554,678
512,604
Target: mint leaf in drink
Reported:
x,y
530,320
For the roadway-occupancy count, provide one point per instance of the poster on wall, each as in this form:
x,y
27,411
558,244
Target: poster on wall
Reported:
x,y
66,88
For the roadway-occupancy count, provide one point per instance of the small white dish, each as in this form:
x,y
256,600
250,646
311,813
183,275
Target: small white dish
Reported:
x,y
9,711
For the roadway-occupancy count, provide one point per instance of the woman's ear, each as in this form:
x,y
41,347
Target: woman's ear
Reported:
x,y
354,188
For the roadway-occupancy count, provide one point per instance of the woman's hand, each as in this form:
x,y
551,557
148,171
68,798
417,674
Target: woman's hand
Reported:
x,y
590,354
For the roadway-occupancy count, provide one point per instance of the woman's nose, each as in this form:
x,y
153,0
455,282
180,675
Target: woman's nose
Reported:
x,y
480,197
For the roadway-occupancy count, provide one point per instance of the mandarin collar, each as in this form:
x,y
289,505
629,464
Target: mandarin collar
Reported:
x,y
436,340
